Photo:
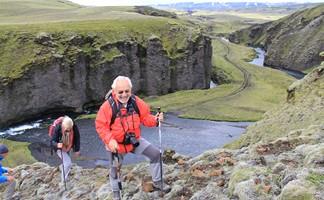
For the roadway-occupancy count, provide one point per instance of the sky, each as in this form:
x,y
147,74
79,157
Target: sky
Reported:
x,y
148,2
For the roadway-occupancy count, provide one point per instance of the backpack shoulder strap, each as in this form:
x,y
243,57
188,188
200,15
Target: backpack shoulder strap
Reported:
x,y
114,108
134,104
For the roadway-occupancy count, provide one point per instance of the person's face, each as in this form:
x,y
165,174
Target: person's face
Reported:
x,y
123,91
67,130
4,155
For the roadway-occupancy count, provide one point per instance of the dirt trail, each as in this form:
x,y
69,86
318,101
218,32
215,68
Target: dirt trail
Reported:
x,y
245,84
247,76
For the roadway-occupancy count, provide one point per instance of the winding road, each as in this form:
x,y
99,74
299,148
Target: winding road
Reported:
x,y
246,75
246,78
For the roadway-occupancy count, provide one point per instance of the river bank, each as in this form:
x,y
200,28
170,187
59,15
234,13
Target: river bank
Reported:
x,y
259,61
185,136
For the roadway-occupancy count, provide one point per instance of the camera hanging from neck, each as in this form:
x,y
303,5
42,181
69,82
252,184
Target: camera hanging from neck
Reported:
x,y
129,137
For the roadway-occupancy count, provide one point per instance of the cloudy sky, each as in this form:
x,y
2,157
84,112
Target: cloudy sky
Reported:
x,y
147,2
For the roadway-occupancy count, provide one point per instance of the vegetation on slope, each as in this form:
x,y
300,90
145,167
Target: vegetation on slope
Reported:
x,y
20,49
223,23
303,108
18,153
252,91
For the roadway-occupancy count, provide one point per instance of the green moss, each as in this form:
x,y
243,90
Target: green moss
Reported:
x,y
19,51
219,76
88,116
18,154
239,176
16,54
316,178
321,54
111,54
296,192
300,112
314,155
312,13
147,10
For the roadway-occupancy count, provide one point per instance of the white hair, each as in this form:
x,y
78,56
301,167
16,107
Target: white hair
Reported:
x,y
119,78
67,122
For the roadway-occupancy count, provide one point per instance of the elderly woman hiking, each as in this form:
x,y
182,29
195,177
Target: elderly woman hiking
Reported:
x,y
65,137
118,125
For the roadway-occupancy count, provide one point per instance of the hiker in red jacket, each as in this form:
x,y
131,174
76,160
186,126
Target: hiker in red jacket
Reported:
x,y
118,125
66,136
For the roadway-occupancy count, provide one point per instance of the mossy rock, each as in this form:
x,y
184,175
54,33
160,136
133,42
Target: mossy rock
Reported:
x,y
147,10
297,190
322,55
219,76
316,178
239,176
314,157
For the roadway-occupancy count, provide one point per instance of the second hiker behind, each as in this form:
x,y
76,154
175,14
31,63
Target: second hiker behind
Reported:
x,y
65,137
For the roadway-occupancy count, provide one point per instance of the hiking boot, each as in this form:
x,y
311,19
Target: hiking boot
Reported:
x,y
158,186
116,195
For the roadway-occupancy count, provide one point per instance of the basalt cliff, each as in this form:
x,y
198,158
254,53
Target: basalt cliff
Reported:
x,y
69,66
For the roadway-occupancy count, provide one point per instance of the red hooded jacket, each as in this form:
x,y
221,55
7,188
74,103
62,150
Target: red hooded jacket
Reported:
x,y
123,124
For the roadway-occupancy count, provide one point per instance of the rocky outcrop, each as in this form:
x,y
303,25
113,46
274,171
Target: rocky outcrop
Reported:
x,y
147,10
265,170
79,75
293,42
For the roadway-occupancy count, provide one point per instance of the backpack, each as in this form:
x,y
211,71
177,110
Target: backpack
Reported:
x,y
115,107
51,128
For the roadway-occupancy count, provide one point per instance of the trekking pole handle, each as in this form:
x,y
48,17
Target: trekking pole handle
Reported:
x,y
160,134
159,111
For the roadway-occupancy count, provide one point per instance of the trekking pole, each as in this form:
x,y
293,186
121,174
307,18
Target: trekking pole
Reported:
x,y
63,169
161,164
117,165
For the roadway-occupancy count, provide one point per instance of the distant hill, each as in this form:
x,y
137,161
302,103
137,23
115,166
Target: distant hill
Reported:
x,y
293,42
226,6
38,11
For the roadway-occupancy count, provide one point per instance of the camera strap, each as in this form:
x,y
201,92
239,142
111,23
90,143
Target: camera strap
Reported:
x,y
124,118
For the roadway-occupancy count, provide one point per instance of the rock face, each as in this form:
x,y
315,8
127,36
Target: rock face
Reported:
x,y
76,78
287,166
293,42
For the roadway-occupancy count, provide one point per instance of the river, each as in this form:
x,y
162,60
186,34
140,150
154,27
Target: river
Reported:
x,y
185,136
259,61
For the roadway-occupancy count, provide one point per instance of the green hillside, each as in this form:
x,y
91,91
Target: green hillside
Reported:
x,y
40,11
303,109
292,42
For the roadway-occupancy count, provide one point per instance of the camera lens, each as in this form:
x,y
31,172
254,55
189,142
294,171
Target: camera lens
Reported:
x,y
134,142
